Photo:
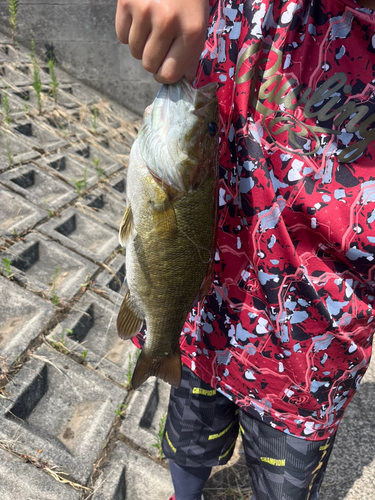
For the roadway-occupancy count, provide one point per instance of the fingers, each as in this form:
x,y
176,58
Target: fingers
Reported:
x,y
168,37
156,50
180,60
139,33
123,22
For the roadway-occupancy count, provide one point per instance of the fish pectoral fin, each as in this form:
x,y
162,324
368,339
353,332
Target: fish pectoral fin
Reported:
x,y
164,216
168,368
127,226
128,321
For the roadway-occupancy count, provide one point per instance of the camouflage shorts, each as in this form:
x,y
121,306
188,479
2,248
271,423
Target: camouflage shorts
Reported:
x,y
201,430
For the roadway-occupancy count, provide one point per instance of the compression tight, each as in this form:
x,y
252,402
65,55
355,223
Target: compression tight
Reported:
x,y
188,482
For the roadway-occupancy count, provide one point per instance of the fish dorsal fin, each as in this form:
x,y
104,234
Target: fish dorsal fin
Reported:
x,y
168,368
129,321
127,226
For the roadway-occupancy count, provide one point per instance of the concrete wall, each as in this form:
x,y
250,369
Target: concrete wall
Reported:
x,y
81,34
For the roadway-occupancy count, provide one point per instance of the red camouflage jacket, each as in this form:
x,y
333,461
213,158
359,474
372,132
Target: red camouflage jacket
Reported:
x,y
286,330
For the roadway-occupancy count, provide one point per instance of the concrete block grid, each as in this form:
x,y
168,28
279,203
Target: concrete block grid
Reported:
x,y
64,372
69,427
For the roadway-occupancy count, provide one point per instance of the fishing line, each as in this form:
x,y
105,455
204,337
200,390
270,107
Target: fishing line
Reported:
x,y
110,321
191,241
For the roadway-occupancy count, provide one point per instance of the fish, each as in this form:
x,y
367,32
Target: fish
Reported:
x,y
169,224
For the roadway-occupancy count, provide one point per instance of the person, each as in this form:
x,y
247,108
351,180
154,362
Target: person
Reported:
x,y
283,339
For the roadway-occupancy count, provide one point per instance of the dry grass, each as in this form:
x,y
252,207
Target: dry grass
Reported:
x,y
230,481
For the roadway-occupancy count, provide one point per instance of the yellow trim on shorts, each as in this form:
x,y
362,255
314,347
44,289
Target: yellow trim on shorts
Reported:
x,y
215,436
204,392
228,450
273,461
169,442
324,447
241,429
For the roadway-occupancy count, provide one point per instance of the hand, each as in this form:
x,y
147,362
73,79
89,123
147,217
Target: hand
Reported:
x,y
167,35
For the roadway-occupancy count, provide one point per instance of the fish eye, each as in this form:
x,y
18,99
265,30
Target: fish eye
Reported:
x,y
212,128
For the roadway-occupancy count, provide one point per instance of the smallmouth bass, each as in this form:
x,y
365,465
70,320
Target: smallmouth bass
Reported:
x,y
169,225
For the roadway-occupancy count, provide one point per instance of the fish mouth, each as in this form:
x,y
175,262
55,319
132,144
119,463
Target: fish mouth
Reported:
x,y
182,90
173,126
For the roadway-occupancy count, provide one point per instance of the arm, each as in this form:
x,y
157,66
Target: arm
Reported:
x,y
166,35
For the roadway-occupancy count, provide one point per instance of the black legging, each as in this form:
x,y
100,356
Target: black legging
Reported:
x,y
188,482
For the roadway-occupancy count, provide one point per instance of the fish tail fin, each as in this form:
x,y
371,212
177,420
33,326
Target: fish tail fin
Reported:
x,y
128,321
167,368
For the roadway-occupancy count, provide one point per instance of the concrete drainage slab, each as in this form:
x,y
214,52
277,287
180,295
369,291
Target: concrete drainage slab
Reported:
x,y
114,147
83,94
82,234
44,266
144,414
103,205
39,135
15,106
28,99
60,411
70,169
96,158
13,150
111,283
118,183
91,329
10,77
66,128
23,316
15,474
17,214
131,476
12,54
38,187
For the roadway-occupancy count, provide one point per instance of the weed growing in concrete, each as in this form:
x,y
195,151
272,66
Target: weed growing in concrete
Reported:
x,y
37,83
13,9
54,85
6,107
95,119
120,410
50,213
159,437
61,344
99,171
82,183
84,353
7,269
55,298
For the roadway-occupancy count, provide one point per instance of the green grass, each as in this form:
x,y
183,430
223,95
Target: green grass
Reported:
x,y
120,410
6,266
37,83
55,298
159,437
81,184
54,85
13,10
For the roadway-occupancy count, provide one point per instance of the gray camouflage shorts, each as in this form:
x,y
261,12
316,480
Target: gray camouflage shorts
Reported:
x,y
201,430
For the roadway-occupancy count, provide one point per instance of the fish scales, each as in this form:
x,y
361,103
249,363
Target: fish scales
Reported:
x,y
169,249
